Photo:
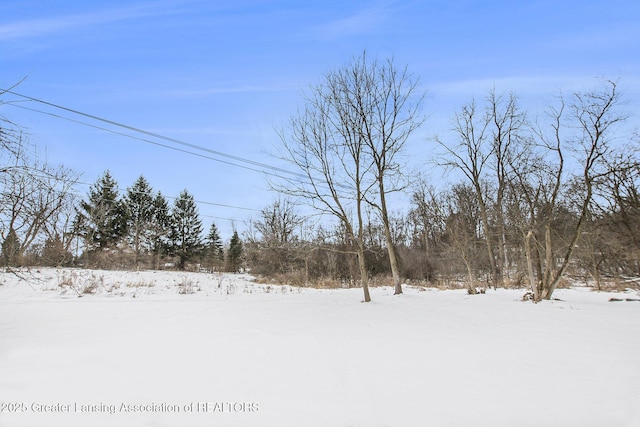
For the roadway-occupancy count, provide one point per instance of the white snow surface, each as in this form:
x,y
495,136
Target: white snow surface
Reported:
x,y
197,349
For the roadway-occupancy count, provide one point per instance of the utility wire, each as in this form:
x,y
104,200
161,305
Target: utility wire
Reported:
x,y
300,178
152,134
144,140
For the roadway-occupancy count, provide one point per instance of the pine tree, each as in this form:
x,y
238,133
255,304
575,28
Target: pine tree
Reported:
x,y
234,254
186,228
10,248
215,252
54,253
139,203
102,219
159,227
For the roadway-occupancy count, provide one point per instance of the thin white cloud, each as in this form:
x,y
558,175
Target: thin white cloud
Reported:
x,y
522,85
227,90
60,24
362,22
620,36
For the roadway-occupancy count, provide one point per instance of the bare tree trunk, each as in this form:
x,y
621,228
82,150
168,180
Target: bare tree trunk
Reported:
x,y
496,278
502,246
345,141
364,275
470,156
471,289
391,250
593,114
532,280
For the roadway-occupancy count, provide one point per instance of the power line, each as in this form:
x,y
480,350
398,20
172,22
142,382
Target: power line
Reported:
x,y
294,176
143,140
152,134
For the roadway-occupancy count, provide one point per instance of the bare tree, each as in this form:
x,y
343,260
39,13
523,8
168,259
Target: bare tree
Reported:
x,y
471,156
347,141
33,197
462,224
11,136
585,128
386,99
427,218
616,222
508,144
488,140
278,222
325,142
272,240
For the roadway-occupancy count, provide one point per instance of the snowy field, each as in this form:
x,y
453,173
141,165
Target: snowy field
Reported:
x,y
195,349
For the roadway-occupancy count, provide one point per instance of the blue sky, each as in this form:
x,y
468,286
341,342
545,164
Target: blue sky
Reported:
x,y
224,75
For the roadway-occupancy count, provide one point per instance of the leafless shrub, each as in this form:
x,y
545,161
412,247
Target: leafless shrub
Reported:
x,y
187,287
219,279
88,283
141,284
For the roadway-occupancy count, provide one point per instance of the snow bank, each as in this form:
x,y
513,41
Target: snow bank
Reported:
x,y
170,348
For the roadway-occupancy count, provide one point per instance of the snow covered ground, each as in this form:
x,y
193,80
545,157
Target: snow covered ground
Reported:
x,y
195,349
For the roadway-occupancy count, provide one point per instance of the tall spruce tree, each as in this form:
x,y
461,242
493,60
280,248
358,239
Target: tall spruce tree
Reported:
x,y
10,249
102,219
186,228
215,252
159,227
54,253
234,253
139,203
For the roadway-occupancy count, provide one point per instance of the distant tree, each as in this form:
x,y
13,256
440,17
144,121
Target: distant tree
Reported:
x,y
102,219
55,253
10,249
427,221
385,100
278,222
463,223
139,204
615,230
326,143
33,194
273,245
347,143
159,227
234,253
215,251
488,140
427,218
186,228
586,127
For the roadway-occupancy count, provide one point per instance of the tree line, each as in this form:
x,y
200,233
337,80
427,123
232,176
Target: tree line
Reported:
x,y
538,198
141,228
138,229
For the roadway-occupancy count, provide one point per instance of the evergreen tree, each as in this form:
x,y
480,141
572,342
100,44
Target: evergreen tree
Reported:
x,y
10,248
54,253
234,254
159,227
102,219
139,203
186,228
215,252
